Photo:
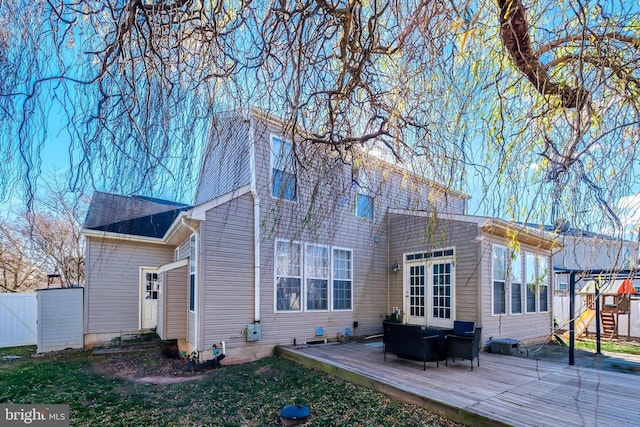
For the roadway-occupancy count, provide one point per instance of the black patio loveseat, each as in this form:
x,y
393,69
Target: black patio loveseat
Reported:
x,y
407,341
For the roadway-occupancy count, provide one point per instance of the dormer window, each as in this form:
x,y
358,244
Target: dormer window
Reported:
x,y
284,182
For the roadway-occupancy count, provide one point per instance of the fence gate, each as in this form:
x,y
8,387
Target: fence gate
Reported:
x,y
18,315
60,319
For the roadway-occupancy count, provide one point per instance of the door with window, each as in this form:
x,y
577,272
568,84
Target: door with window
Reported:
x,y
430,293
149,298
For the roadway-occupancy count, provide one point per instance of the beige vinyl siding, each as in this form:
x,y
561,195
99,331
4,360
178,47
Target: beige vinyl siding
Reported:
x,y
419,233
369,290
112,289
523,327
225,165
184,250
174,304
327,190
161,329
227,285
324,214
191,327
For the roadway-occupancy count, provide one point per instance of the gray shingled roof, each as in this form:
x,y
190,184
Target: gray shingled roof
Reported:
x,y
133,215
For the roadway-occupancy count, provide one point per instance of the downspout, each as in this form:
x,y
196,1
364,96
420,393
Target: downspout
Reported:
x,y
388,261
195,323
256,223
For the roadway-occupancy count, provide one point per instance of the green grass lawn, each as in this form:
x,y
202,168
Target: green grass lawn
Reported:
x,y
250,394
611,347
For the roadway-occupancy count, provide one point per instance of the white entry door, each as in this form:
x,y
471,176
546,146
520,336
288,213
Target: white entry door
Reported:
x,y
430,293
149,298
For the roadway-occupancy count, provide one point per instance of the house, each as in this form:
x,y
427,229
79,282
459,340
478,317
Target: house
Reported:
x,y
289,243
584,250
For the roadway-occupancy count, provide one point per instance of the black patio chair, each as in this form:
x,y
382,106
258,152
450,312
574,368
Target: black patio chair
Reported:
x,y
466,346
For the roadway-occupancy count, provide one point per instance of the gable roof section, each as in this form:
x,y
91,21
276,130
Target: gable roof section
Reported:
x,y
131,215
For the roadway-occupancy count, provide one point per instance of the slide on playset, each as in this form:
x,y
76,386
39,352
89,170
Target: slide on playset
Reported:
x,y
581,325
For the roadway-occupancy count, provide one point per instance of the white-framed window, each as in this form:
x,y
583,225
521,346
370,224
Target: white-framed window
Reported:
x,y
312,277
543,284
562,287
316,263
521,279
284,181
193,267
342,279
288,276
499,279
531,285
516,282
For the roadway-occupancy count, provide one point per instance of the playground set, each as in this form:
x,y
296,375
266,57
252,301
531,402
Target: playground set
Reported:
x,y
610,302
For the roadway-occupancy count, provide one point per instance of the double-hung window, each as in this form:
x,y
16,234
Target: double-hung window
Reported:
x,y
516,282
312,277
543,284
530,276
342,279
317,276
499,279
288,276
284,182
522,282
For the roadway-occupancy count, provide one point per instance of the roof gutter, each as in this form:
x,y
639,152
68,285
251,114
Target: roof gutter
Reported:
x,y
127,237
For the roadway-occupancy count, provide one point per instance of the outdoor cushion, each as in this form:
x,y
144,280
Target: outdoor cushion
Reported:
x,y
462,328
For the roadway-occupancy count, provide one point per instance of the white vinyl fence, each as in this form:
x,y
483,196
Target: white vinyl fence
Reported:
x,y
18,319
60,319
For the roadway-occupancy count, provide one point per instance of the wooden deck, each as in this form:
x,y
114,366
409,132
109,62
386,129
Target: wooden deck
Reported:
x,y
504,390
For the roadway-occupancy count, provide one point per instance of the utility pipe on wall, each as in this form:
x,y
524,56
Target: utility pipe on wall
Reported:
x,y
197,314
256,222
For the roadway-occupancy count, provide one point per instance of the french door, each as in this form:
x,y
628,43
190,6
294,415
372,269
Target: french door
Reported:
x,y
430,292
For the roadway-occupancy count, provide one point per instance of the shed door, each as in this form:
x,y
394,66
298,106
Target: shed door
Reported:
x,y
149,299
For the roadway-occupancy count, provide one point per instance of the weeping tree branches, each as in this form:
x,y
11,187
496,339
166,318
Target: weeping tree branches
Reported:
x,y
514,31
133,85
